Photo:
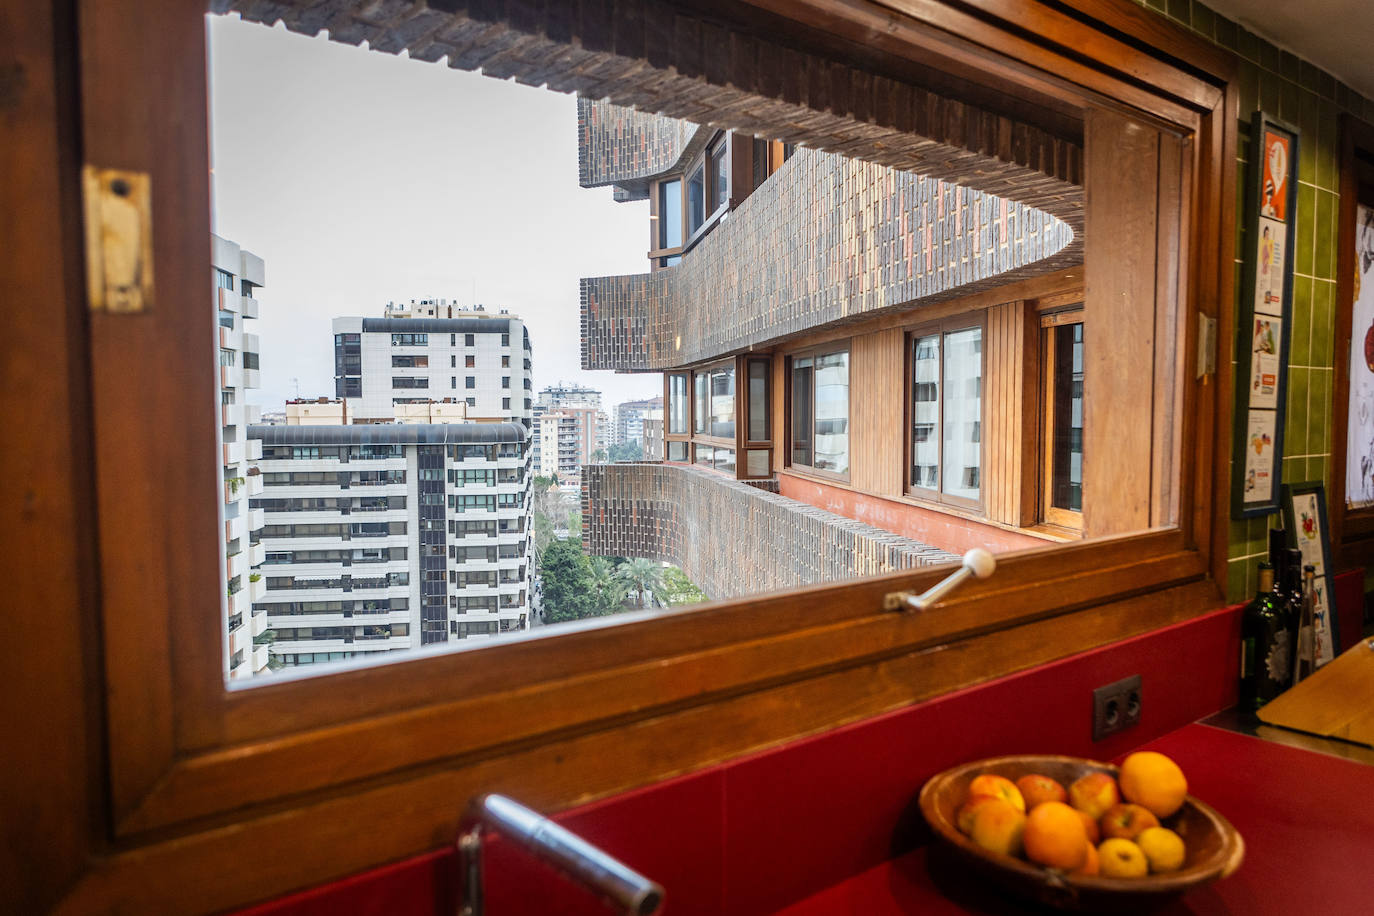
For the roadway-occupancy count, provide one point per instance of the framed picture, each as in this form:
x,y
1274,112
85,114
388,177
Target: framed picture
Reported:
x,y
1304,518
1263,319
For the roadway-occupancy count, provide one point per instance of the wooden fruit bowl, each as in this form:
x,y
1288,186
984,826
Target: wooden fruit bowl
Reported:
x,y
1215,849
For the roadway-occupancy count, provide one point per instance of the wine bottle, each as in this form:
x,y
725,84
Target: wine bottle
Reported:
x,y
1305,653
1264,661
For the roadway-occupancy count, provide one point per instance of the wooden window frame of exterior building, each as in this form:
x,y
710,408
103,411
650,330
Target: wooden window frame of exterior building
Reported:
x,y
1352,530
161,775
936,498
813,351
1050,318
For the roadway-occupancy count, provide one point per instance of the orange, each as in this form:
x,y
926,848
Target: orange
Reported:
x,y
1090,865
1054,836
1154,782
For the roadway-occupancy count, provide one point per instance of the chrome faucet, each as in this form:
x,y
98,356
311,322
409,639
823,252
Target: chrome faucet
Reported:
x,y
977,562
617,885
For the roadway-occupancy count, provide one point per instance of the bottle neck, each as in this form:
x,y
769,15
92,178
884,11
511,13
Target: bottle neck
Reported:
x,y
1266,580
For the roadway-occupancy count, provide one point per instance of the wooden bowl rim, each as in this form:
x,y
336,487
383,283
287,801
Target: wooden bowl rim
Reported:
x,y
1227,859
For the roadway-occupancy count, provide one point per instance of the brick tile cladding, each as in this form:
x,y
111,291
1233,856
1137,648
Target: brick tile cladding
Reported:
x,y
703,522
824,241
618,145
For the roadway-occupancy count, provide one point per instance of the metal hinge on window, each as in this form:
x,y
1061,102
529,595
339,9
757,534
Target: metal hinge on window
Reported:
x,y
119,239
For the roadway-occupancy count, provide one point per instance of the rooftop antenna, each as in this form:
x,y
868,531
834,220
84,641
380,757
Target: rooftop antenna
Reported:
x,y
297,383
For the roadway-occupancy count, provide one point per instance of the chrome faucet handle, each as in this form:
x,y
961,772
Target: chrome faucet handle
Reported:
x,y
617,885
977,563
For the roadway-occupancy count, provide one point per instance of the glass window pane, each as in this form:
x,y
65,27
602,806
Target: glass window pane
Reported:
x,y
700,382
963,399
1066,481
802,402
925,411
720,178
758,400
677,451
696,199
723,402
756,462
706,455
725,460
832,412
670,213
677,403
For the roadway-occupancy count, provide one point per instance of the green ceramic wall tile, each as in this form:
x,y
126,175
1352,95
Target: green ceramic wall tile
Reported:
x,y
1323,318
1324,265
1319,412
1235,581
1309,110
1269,57
1204,20
1239,539
1295,420
1288,66
1307,220
1288,102
1328,147
1300,334
1161,5
1226,32
1318,469
1271,88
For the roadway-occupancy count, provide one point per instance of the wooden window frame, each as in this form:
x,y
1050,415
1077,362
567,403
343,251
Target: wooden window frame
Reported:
x,y
1352,530
163,775
937,497
1050,514
827,348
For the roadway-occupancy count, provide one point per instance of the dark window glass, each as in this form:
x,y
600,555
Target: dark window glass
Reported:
x,y
677,403
470,382
670,213
723,402
700,384
696,199
802,407
720,177
469,340
1066,477
758,400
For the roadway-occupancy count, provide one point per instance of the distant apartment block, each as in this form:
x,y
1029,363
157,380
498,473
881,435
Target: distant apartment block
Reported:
x,y
629,419
569,428
237,275
434,351
653,434
391,536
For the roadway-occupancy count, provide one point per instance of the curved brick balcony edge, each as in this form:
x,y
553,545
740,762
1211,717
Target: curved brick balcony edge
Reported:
x,y
731,538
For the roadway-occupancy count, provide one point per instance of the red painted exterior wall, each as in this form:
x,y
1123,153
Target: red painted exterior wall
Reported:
x,y
948,532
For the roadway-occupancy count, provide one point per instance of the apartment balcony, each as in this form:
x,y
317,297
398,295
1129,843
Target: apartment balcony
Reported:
x,y
233,454
261,654
253,449
240,638
252,378
253,482
256,589
257,625
731,538
237,565
256,519
249,306
229,301
257,554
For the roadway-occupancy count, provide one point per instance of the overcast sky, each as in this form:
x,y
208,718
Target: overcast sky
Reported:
x,y
361,178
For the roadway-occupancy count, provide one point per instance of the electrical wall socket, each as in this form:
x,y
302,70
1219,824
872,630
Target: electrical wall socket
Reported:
x,y
1116,707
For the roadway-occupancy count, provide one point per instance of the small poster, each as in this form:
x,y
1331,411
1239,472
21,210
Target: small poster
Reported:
x,y
1259,457
1274,191
1269,269
1304,515
1264,361
1359,440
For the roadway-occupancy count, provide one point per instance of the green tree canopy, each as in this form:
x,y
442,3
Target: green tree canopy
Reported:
x,y
641,575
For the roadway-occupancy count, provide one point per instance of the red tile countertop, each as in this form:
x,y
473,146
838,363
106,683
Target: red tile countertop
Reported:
x,y
1307,820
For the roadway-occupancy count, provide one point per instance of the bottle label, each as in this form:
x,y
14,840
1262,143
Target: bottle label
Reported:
x,y
1278,663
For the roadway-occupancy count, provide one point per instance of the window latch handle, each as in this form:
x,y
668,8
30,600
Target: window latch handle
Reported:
x,y
977,563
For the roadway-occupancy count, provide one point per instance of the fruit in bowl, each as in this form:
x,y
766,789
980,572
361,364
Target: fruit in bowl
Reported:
x,y
1103,845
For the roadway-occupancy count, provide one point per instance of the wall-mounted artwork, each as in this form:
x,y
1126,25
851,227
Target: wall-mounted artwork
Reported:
x,y
1359,443
1262,351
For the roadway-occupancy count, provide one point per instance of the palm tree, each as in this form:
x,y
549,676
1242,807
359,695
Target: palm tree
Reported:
x,y
608,587
643,575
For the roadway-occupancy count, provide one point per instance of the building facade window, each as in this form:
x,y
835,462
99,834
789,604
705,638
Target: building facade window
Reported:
x,y
1062,427
469,340
818,418
946,412
410,340
470,382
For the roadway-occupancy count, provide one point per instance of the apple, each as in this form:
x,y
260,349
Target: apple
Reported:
x,y
964,818
1163,848
1037,790
997,787
998,826
1127,821
1094,794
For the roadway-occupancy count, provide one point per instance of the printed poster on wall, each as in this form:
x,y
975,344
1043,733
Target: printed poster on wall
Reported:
x,y
1269,272
1259,456
1307,519
1264,361
1359,446
1274,191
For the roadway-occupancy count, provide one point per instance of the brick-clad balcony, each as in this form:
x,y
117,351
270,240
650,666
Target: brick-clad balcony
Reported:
x,y
731,538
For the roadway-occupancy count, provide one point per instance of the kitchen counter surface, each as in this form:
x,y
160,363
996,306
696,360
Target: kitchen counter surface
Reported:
x,y
1307,819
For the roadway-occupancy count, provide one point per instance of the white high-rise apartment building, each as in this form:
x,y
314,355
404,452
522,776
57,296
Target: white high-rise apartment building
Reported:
x,y
391,536
236,275
629,419
433,350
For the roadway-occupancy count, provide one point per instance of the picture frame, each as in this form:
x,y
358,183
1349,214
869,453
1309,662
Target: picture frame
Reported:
x,y
1264,318
1306,527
